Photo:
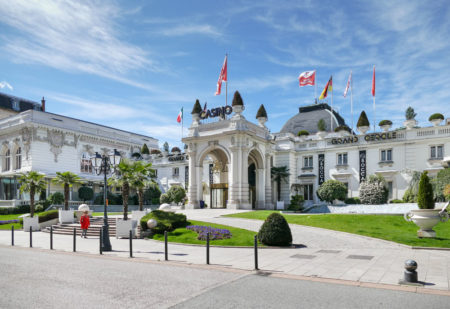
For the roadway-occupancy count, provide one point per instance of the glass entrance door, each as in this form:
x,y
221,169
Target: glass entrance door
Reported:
x,y
219,196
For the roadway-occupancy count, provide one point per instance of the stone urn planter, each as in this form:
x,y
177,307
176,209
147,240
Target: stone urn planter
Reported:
x,y
426,219
385,127
322,134
363,129
436,122
409,124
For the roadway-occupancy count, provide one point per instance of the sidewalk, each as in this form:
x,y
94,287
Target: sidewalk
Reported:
x,y
323,254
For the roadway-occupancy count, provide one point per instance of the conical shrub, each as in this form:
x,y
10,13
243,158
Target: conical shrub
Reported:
x,y
197,107
363,121
237,100
275,231
261,112
425,199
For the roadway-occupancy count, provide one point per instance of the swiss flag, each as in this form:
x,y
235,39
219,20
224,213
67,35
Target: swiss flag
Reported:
x,y
307,78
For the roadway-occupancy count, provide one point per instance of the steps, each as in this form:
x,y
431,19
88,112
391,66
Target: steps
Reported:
x,y
93,231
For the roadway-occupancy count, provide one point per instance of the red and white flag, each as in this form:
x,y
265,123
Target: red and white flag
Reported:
x,y
180,116
307,78
348,84
222,76
373,82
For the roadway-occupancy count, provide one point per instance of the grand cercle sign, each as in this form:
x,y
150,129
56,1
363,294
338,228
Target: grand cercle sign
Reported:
x,y
216,112
368,138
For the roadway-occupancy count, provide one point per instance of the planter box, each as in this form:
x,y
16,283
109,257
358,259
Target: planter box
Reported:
x,y
48,223
33,222
66,216
123,228
280,204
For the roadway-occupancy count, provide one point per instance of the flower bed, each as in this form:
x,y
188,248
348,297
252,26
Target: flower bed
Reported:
x,y
214,234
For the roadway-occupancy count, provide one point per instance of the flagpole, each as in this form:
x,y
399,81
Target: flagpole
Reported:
x,y
315,87
182,120
351,97
331,122
374,106
226,85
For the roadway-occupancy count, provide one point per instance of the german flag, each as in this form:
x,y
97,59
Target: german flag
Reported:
x,y
328,87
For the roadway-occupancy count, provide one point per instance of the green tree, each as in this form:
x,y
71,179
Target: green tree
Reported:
x,y
442,179
142,177
321,125
409,113
279,174
332,190
85,193
32,182
56,198
425,199
145,149
67,180
176,194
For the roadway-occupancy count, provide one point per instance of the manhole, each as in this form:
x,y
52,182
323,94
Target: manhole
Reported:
x,y
303,256
328,251
360,257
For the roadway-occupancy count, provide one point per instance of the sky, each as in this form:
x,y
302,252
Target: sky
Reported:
x,y
133,64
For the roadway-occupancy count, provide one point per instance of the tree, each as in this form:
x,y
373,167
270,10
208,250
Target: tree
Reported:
x,y
409,113
56,198
144,149
67,180
373,190
85,193
363,121
176,194
152,194
32,182
321,125
332,190
442,179
279,174
142,176
425,199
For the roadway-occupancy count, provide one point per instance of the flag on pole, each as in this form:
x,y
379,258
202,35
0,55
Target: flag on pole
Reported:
x,y
328,87
204,107
222,76
348,84
307,78
180,116
373,82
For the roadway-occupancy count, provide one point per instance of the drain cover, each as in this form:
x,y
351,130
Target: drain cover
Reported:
x,y
328,251
360,257
303,256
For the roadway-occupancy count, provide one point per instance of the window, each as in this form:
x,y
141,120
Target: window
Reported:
x,y
175,171
308,162
86,164
308,192
18,164
342,159
386,155
437,152
390,189
7,161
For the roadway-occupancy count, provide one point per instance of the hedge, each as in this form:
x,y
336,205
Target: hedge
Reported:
x,y
385,123
302,133
45,216
167,221
342,128
22,209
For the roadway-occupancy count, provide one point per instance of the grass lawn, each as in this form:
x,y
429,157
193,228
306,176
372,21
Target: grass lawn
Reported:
x,y
240,237
17,226
392,228
100,214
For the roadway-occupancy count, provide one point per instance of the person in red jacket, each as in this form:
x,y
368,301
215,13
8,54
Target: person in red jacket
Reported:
x,y
85,222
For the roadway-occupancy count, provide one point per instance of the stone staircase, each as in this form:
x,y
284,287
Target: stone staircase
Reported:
x,y
93,231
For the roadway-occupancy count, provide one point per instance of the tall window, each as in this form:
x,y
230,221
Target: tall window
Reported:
x,y
437,152
342,159
18,164
86,165
386,155
7,161
308,162
175,171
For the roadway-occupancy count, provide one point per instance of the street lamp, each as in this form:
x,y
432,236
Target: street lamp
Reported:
x,y
104,164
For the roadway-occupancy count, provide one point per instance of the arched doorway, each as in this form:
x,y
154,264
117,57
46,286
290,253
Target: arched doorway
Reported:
x,y
256,181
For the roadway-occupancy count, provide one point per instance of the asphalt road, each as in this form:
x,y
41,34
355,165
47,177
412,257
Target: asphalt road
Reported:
x,y
33,278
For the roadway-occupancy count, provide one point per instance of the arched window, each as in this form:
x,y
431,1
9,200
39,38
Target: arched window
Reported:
x,y
18,162
86,165
7,161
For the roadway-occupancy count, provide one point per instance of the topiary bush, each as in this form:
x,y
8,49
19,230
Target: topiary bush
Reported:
x,y
343,128
164,198
197,109
363,121
425,199
321,125
373,190
167,221
436,116
441,180
176,194
396,201
385,123
352,200
302,133
56,198
409,196
261,112
410,114
296,203
275,231
332,190
144,149
85,193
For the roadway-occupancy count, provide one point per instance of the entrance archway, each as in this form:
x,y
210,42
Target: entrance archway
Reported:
x,y
256,181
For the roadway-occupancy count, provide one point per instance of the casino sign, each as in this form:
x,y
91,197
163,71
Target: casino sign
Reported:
x,y
216,112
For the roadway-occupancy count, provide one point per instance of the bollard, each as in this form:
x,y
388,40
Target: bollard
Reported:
x,y
256,252
410,275
51,237
31,237
74,239
131,244
207,248
166,253
100,241
12,235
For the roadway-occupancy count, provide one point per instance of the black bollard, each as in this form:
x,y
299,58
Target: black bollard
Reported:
x,y
100,241
51,237
12,235
166,253
256,252
131,244
31,237
74,239
207,248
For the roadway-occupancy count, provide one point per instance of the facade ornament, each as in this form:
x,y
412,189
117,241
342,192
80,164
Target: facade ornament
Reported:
x,y
27,134
56,140
105,151
89,149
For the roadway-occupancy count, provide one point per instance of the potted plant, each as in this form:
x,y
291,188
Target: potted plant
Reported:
x,y
145,152
238,103
410,121
321,127
426,217
436,119
343,130
67,180
385,125
302,134
33,183
261,116
363,123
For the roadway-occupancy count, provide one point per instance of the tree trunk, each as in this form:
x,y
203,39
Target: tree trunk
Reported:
x,y
141,198
125,193
279,190
32,191
66,196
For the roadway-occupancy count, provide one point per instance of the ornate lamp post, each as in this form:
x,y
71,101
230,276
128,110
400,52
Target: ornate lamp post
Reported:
x,y
104,164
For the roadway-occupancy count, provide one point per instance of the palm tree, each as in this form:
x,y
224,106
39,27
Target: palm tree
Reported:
x,y
279,174
125,173
143,176
67,179
32,182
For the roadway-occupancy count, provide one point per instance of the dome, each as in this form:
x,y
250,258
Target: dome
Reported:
x,y
308,117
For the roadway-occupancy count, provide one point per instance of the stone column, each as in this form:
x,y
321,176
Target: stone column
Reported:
x,y
233,180
268,183
244,192
260,188
192,191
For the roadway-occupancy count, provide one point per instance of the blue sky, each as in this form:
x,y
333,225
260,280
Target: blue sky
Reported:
x,y
134,64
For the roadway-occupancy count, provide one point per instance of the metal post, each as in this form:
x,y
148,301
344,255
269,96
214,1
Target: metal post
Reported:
x,y
31,237
12,235
74,239
131,244
51,237
106,241
207,248
100,241
166,253
256,252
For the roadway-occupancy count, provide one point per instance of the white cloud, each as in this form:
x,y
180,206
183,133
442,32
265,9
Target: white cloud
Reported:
x,y
199,29
5,84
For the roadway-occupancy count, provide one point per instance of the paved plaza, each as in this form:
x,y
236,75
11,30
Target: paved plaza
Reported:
x,y
318,254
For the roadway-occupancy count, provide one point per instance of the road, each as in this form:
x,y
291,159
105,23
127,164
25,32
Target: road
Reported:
x,y
34,278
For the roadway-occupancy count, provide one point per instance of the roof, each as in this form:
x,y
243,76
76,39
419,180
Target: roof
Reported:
x,y
17,104
309,116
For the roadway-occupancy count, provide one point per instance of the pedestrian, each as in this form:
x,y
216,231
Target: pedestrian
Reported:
x,y
85,223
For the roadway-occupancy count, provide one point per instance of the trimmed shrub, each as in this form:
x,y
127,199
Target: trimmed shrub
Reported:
x,y
343,128
45,216
410,114
409,196
442,179
446,192
385,123
332,190
321,125
296,203
21,209
85,193
197,107
363,121
144,149
275,231
167,221
436,116
176,194
425,199
164,198
56,198
352,200
373,190
302,133
261,112
155,151
39,208
175,149
237,99
396,201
